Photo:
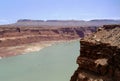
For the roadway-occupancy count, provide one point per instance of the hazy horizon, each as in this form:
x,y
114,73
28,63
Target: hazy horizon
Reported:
x,y
5,22
13,10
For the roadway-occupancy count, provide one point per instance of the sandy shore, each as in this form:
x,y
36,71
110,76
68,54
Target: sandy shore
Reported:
x,y
23,49
27,48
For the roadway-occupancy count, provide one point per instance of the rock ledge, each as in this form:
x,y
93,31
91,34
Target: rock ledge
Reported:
x,y
99,58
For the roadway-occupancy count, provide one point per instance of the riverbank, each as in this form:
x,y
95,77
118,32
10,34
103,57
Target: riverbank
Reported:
x,y
21,40
27,48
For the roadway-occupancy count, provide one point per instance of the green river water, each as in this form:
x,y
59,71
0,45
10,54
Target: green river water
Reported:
x,y
54,63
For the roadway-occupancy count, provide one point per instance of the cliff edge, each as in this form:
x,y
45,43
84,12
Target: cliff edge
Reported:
x,y
99,58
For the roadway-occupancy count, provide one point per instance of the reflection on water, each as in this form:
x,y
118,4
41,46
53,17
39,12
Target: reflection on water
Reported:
x,y
55,63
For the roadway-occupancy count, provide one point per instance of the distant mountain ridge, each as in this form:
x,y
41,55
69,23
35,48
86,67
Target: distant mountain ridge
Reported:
x,y
65,23
28,20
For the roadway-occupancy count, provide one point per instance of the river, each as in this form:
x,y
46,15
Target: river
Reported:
x,y
54,63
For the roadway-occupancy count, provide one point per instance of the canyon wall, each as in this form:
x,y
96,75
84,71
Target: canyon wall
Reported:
x,y
12,36
99,58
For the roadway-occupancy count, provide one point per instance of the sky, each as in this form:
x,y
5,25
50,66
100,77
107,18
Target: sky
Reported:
x,y
12,10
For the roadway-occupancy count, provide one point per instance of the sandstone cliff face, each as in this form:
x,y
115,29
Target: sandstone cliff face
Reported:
x,y
99,58
12,36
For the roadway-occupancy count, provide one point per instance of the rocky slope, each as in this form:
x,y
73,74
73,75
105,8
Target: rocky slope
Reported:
x,y
99,58
12,36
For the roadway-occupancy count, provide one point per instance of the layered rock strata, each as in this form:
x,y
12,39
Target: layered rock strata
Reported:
x,y
12,36
99,58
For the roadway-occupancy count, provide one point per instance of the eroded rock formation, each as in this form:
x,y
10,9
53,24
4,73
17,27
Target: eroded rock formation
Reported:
x,y
12,36
99,58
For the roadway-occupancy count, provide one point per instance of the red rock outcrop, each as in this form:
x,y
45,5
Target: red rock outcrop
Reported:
x,y
99,58
12,36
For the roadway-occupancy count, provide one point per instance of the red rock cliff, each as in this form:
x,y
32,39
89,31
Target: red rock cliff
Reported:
x,y
12,36
99,58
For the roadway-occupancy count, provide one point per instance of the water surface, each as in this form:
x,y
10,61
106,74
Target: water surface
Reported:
x,y
54,63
